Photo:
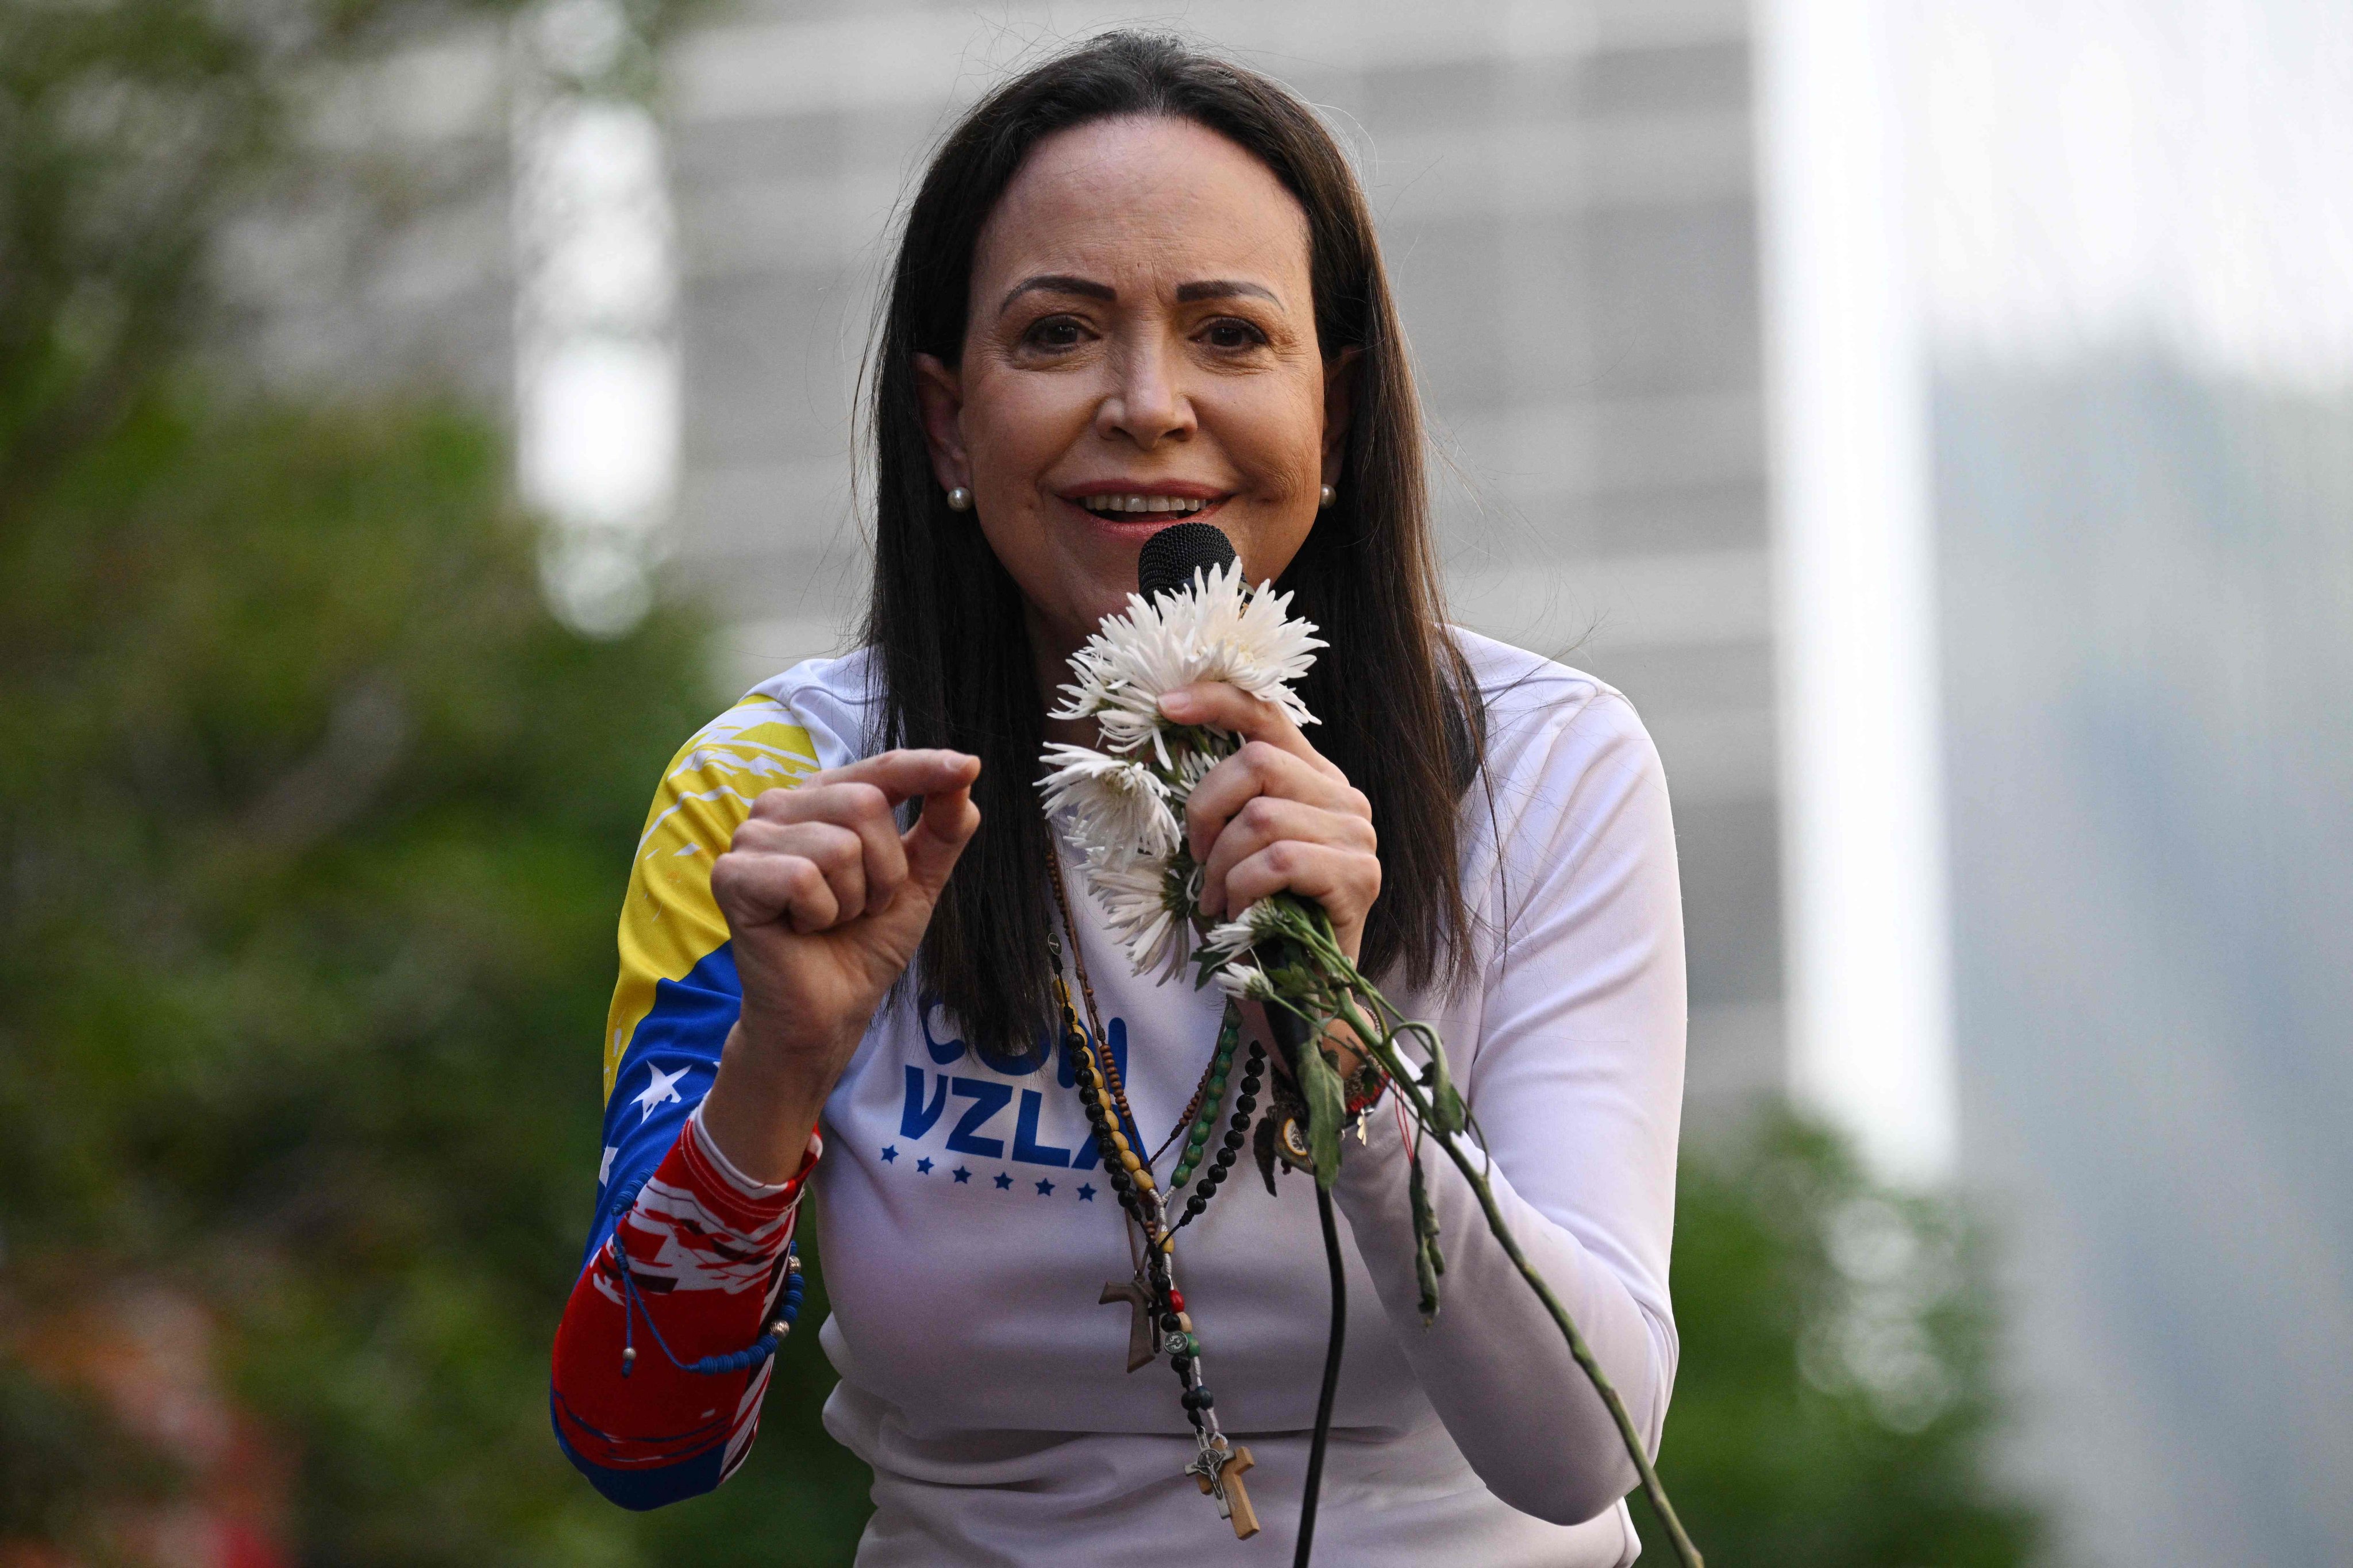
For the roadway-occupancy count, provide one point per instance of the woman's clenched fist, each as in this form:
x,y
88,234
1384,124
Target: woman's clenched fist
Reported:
x,y
826,901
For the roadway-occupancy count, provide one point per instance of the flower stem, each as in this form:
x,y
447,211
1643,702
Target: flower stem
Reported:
x,y
1382,1044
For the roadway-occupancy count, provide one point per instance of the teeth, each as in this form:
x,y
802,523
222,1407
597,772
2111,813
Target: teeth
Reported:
x,y
1108,504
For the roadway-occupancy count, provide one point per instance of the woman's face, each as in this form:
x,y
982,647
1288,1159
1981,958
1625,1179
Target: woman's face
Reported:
x,y
1141,352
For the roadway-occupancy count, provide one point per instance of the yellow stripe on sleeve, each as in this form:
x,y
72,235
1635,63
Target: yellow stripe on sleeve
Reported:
x,y
669,922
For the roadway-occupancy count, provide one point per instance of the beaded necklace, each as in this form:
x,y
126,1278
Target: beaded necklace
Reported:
x,y
1153,1295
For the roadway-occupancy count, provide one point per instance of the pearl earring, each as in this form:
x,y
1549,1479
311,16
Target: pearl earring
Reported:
x,y
959,499
1329,495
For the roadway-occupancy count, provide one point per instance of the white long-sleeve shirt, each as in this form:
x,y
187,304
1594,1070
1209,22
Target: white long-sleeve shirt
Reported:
x,y
966,1231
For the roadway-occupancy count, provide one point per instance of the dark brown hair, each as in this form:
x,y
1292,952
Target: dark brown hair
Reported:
x,y
1401,715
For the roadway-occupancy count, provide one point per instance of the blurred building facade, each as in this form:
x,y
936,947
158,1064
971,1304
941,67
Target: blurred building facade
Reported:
x,y
394,268
2148,590
2137,244
1566,199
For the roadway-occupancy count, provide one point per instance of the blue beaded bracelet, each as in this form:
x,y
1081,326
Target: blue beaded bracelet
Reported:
x,y
788,1312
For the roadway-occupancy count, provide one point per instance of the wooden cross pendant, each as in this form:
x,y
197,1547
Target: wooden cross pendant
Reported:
x,y
1140,1343
1233,1497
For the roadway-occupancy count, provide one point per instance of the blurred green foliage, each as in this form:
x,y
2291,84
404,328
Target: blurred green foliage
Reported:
x,y
1836,1395
313,824
316,824
61,1452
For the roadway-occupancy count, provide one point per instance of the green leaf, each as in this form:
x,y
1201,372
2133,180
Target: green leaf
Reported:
x,y
1428,1263
1447,1112
1327,1107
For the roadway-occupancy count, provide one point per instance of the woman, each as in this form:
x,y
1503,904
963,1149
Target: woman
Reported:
x,y
1137,285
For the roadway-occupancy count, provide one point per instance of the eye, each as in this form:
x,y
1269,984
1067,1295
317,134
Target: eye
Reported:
x,y
1052,332
1232,333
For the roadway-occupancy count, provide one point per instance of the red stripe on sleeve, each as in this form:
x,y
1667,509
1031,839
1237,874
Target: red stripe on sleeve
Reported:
x,y
704,1263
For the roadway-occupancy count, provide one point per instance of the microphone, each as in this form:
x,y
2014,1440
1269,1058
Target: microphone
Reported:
x,y
1171,556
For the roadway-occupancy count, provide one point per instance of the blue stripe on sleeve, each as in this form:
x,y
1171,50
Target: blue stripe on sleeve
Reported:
x,y
664,1074
653,1487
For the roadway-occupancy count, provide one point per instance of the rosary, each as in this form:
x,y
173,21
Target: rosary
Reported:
x,y
1159,1324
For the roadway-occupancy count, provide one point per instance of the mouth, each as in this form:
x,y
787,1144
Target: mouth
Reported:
x,y
1145,506
1130,509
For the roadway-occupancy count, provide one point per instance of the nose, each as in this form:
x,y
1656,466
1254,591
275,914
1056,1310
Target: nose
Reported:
x,y
1146,405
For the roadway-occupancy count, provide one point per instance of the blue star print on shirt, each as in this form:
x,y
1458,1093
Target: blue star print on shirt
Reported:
x,y
889,1152
962,1175
1045,1188
1086,1193
925,1166
1004,1181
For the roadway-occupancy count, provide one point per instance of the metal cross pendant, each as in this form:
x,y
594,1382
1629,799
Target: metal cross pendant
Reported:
x,y
1140,1344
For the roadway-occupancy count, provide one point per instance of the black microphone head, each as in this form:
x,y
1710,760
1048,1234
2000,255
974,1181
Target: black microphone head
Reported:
x,y
1172,555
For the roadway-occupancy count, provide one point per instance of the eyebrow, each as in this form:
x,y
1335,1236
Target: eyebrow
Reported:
x,y
1187,293
1223,289
1058,283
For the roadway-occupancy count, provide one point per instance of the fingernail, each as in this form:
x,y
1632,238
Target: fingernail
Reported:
x,y
1175,701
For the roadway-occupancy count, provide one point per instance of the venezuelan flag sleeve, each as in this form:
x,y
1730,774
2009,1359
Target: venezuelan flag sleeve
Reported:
x,y
684,1256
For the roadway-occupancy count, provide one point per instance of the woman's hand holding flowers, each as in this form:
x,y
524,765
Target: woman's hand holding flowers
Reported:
x,y
1276,815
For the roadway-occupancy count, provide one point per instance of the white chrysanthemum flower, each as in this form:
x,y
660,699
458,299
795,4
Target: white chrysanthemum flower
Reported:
x,y
1233,936
1217,628
1116,808
1124,813
1125,730
1149,907
1245,982
1245,930
1192,766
